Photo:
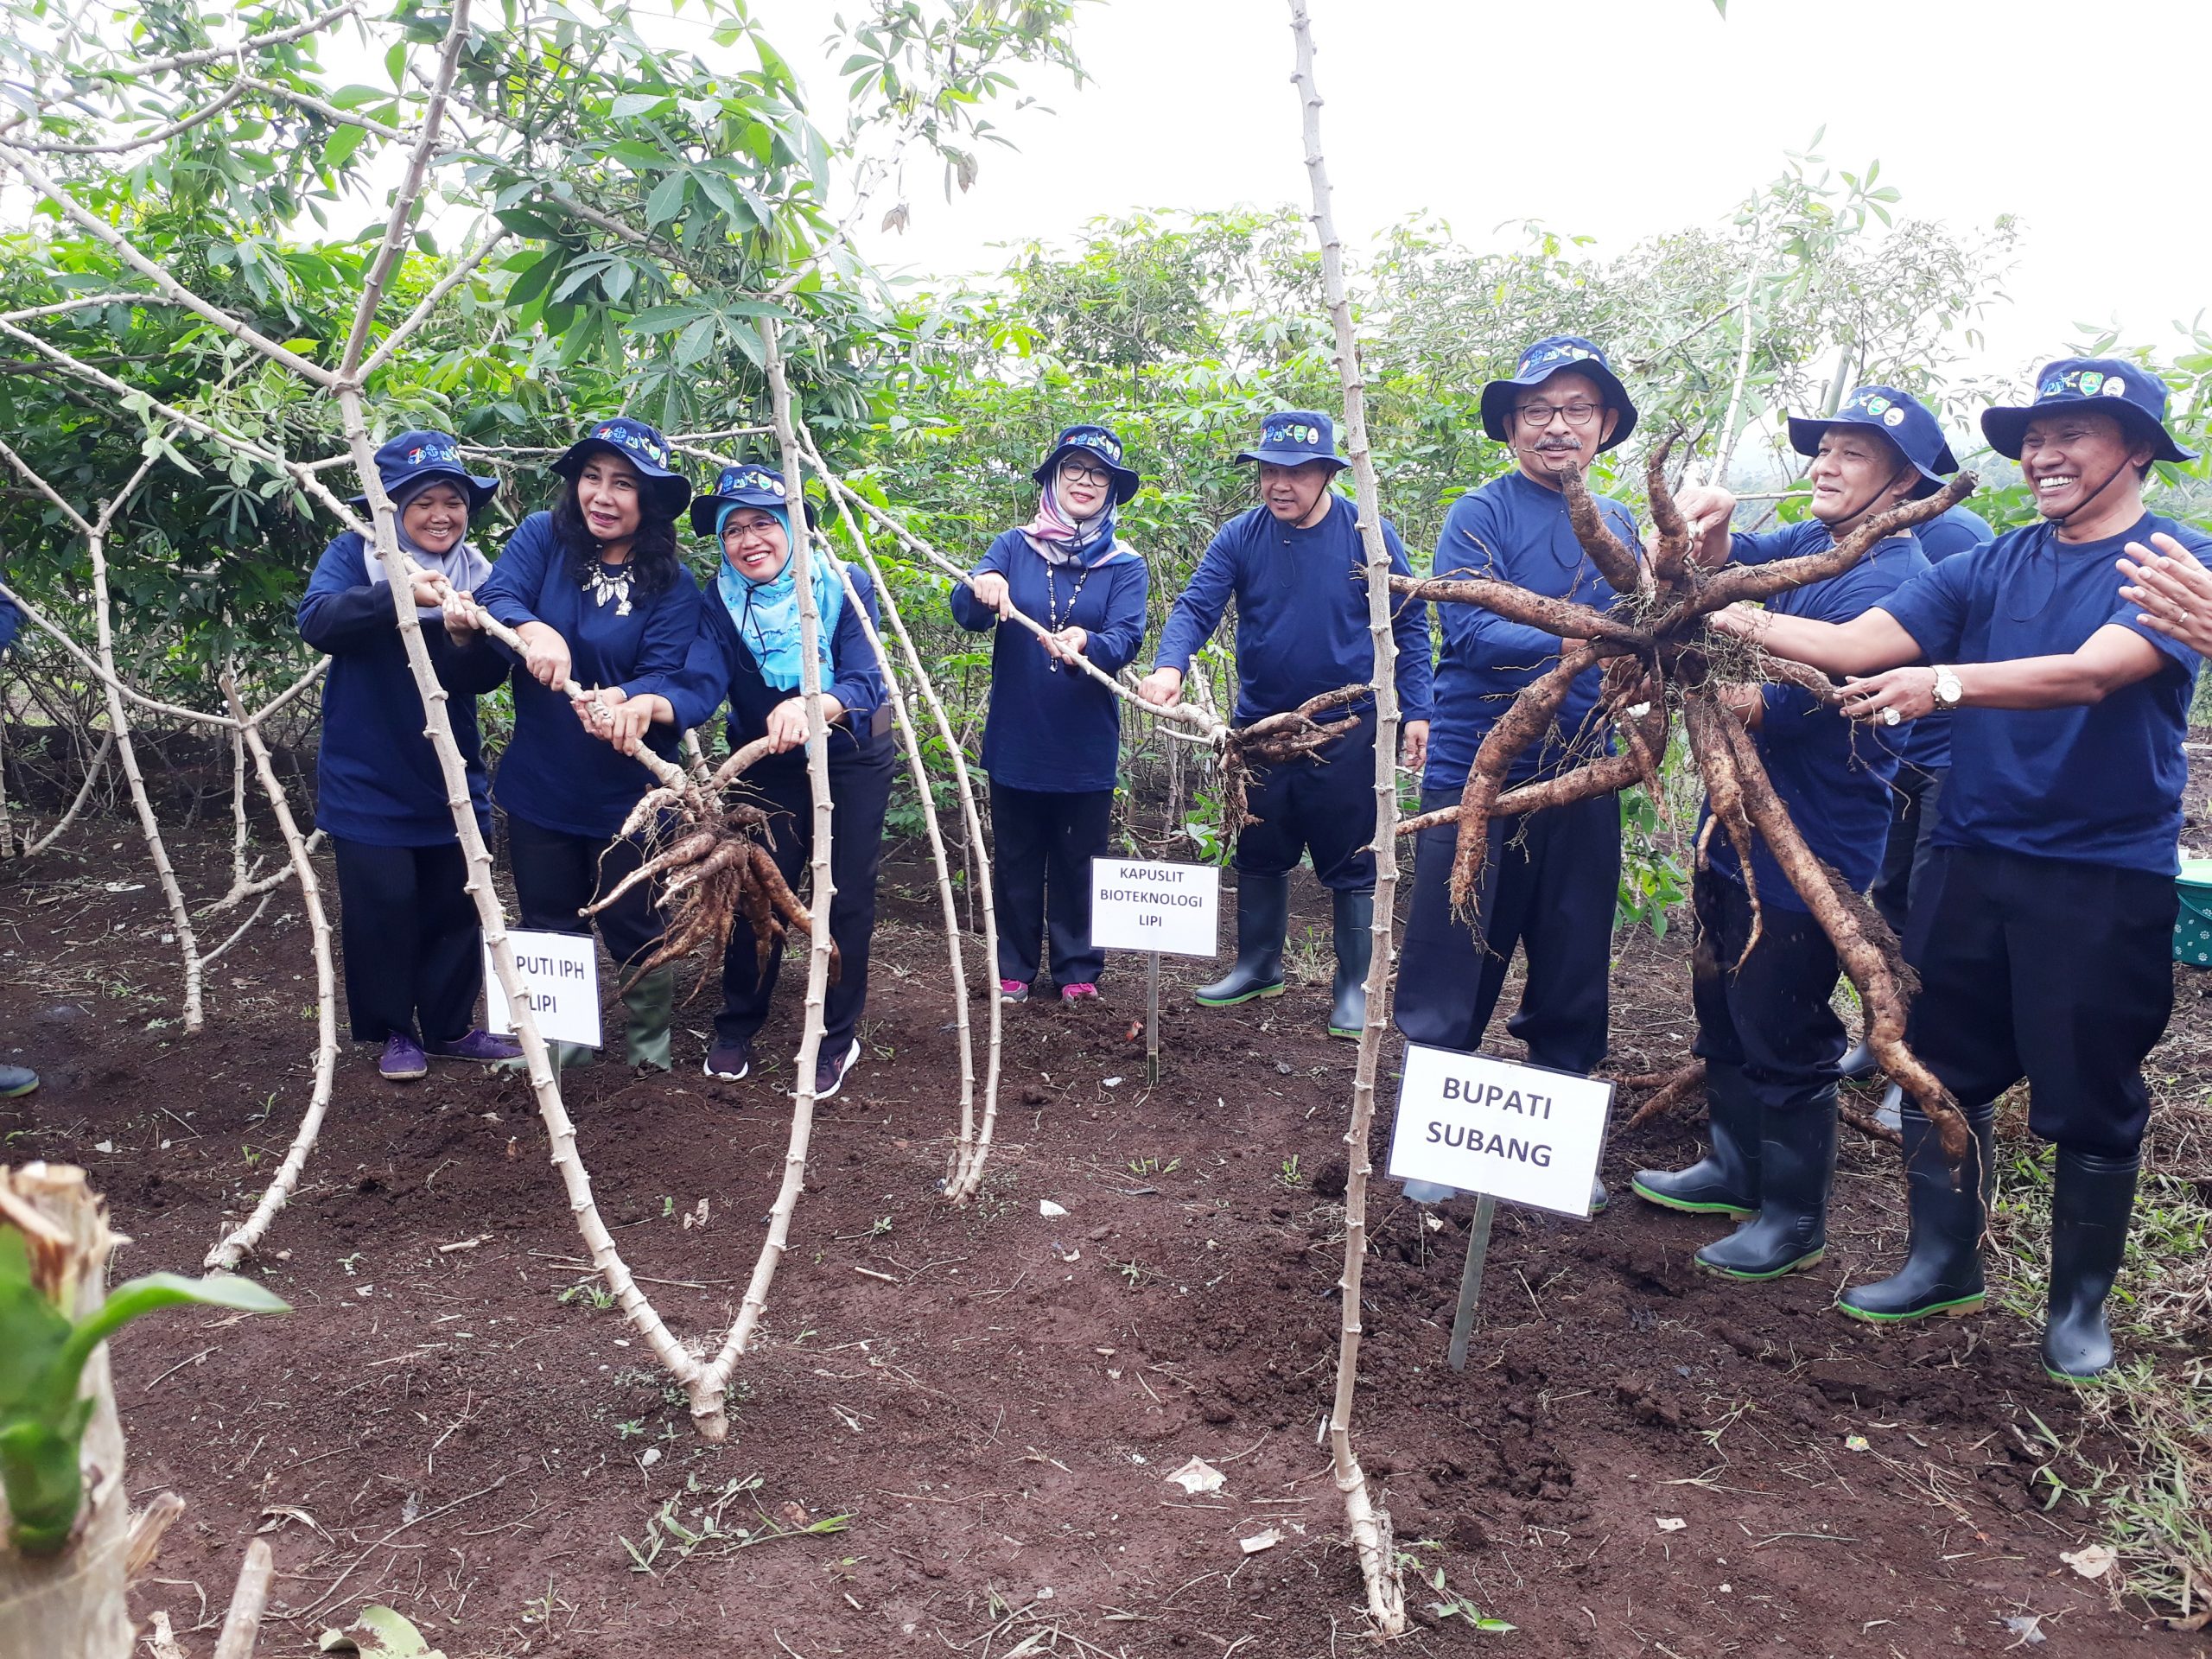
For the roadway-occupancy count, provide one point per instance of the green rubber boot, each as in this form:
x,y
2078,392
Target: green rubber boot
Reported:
x,y
1725,1181
1355,943
1262,917
2092,1198
1796,1169
1942,1272
652,1004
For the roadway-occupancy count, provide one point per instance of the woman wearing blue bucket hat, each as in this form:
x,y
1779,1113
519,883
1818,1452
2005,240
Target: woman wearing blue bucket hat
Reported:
x,y
414,961
750,652
2043,946
1053,740
598,591
1772,1045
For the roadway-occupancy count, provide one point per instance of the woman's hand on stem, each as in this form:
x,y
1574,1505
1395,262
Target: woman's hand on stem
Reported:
x,y
787,721
461,625
621,719
431,590
1067,644
991,591
545,654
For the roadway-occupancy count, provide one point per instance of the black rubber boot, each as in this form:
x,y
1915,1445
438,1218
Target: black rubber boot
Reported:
x,y
1942,1259
1796,1168
1859,1065
651,1005
1355,917
2091,1199
1725,1181
1262,916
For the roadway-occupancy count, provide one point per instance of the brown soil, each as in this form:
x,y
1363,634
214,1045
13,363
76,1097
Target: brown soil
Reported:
x,y
1638,1458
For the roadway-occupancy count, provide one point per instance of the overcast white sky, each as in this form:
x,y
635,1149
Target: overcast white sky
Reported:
x,y
1615,119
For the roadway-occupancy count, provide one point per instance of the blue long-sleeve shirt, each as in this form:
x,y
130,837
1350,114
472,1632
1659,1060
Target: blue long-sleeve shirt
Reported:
x,y
2094,783
1832,775
1051,728
1301,613
1513,529
1928,740
377,777
555,774
722,666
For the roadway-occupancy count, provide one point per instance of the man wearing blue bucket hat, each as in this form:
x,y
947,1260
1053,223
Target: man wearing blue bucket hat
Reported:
x,y
1293,565
1550,880
1771,1040
2043,943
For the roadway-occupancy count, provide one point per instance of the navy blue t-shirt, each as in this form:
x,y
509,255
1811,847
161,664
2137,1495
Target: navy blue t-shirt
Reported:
x,y
376,776
1513,529
721,665
1301,613
10,619
1832,774
1051,728
2095,785
555,774
1928,740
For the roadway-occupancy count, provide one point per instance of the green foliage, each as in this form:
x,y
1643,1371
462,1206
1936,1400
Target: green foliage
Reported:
x,y
1653,879
42,1356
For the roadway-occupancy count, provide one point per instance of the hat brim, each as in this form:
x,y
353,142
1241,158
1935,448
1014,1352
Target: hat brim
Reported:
x,y
1805,432
671,491
706,509
2006,425
1497,400
480,491
1292,457
1127,479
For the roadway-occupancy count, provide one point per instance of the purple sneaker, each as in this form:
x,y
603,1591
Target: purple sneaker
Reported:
x,y
403,1061
830,1073
1012,990
1078,992
480,1046
729,1061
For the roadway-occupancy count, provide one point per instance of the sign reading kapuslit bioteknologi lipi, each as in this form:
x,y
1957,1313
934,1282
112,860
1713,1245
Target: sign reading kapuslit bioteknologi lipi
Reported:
x,y
1140,904
560,975
1519,1133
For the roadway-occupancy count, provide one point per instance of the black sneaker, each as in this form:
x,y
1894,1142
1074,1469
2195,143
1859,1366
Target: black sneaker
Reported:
x,y
16,1081
829,1074
729,1061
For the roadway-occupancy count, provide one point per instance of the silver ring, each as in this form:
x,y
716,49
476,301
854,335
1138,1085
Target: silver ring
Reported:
x,y
1889,717
599,714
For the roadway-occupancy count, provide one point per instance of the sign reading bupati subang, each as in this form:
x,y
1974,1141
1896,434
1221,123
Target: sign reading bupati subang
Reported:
x,y
560,974
1522,1133
1137,904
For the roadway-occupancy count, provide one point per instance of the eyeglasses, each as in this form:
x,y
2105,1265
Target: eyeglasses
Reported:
x,y
752,530
1077,472
1540,415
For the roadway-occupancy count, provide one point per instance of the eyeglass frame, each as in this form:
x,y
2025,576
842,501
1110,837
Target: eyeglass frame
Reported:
x,y
1524,412
1079,472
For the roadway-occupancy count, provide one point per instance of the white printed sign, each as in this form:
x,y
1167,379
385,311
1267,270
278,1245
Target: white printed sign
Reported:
x,y
1522,1133
1138,905
560,974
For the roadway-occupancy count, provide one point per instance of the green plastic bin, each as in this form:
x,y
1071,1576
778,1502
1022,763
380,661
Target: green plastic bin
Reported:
x,y
2193,925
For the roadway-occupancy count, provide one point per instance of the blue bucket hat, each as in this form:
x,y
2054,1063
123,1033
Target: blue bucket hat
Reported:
x,y
1545,359
747,485
2127,391
643,448
412,459
1291,437
1099,443
1898,416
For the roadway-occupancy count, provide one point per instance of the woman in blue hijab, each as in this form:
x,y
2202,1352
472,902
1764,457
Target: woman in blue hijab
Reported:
x,y
413,950
1053,743
748,653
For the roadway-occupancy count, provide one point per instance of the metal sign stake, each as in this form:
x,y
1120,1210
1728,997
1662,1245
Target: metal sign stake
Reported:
x,y
1471,1280
1152,1017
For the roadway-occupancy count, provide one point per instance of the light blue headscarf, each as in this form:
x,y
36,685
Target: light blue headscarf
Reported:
x,y
766,613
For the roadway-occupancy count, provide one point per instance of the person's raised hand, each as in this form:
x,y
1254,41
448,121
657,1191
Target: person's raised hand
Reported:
x,y
992,593
1163,686
2172,588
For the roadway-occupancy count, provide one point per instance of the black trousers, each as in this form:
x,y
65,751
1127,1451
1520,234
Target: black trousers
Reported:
x,y
557,875
1550,886
1904,858
413,948
1771,1016
1323,803
2057,972
860,790
1042,843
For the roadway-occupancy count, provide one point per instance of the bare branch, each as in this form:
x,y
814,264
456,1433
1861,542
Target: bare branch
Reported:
x,y
160,135
430,302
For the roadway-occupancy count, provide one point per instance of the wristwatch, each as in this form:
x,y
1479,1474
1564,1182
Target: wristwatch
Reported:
x,y
1949,694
